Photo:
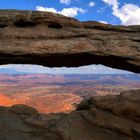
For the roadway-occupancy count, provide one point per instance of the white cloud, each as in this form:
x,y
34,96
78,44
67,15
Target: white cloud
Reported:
x,y
113,3
91,4
129,14
40,8
69,12
105,22
65,2
72,12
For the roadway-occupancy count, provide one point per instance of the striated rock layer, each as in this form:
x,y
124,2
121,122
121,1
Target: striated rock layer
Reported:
x,y
98,118
49,39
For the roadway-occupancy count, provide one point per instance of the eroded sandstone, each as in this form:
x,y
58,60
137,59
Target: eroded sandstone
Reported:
x,y
49,39
98,118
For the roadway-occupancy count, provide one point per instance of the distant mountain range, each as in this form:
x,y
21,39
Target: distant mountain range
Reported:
x,y
10,71
68,79
101,76
36,69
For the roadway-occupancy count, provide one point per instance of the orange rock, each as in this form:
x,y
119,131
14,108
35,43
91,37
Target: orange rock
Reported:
x,y
5,101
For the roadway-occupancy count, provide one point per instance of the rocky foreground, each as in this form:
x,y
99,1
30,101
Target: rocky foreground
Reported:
x,y
98,118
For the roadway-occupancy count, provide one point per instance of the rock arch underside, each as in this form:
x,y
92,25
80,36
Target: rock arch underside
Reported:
x,y
31,37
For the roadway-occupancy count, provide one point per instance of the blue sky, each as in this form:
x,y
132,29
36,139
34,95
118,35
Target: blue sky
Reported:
x,y
125,12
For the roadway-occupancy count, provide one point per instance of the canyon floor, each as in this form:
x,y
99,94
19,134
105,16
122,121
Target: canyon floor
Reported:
x,y
61,93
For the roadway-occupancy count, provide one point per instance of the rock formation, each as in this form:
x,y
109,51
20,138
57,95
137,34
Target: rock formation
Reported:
x,y
98,118
53,40
49,39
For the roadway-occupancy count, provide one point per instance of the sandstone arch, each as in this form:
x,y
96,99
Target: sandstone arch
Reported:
x,y
31,37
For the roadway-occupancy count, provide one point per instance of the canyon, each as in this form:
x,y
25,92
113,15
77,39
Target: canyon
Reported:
x,y
61,93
